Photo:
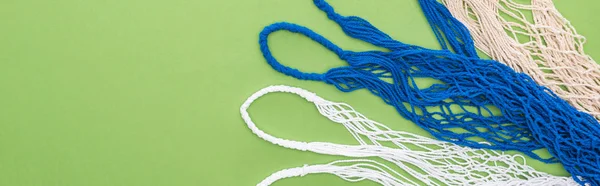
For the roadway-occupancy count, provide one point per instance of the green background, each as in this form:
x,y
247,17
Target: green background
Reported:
x,y
147,92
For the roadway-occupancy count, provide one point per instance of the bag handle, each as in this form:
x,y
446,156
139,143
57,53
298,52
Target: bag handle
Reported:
x,y
294,28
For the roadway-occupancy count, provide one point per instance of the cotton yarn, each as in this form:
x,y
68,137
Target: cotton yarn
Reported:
x,y
363,169
424,160
547,48
532,116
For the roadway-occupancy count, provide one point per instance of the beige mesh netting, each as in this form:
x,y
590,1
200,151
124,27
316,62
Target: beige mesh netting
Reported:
x,y
531,36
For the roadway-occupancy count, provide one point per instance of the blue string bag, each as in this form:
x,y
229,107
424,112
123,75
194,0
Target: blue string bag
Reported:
x,y
532,116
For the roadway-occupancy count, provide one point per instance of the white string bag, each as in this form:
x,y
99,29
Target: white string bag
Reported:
x,y
426,161
546,48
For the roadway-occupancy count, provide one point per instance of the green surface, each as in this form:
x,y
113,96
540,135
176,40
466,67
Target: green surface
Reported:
x,y
138,92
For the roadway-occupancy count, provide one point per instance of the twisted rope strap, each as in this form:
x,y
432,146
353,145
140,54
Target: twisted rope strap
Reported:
x,y
425,161
547,48
458,110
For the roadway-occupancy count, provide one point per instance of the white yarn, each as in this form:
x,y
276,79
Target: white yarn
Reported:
x,y
552,55
427,161
359,170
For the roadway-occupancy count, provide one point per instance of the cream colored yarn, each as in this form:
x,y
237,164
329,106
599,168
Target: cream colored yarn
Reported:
x,y
546,48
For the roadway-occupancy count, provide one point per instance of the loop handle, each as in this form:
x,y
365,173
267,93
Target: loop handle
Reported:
x,y
309,96
294,28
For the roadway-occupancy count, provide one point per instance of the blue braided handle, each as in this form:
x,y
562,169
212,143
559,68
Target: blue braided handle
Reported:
x,y
294,28
361,29
447,29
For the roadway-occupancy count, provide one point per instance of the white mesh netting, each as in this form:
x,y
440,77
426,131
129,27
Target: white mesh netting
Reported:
x,y
419,160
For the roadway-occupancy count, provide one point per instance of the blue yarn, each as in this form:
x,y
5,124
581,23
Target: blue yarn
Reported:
x,y
532,116
442,23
